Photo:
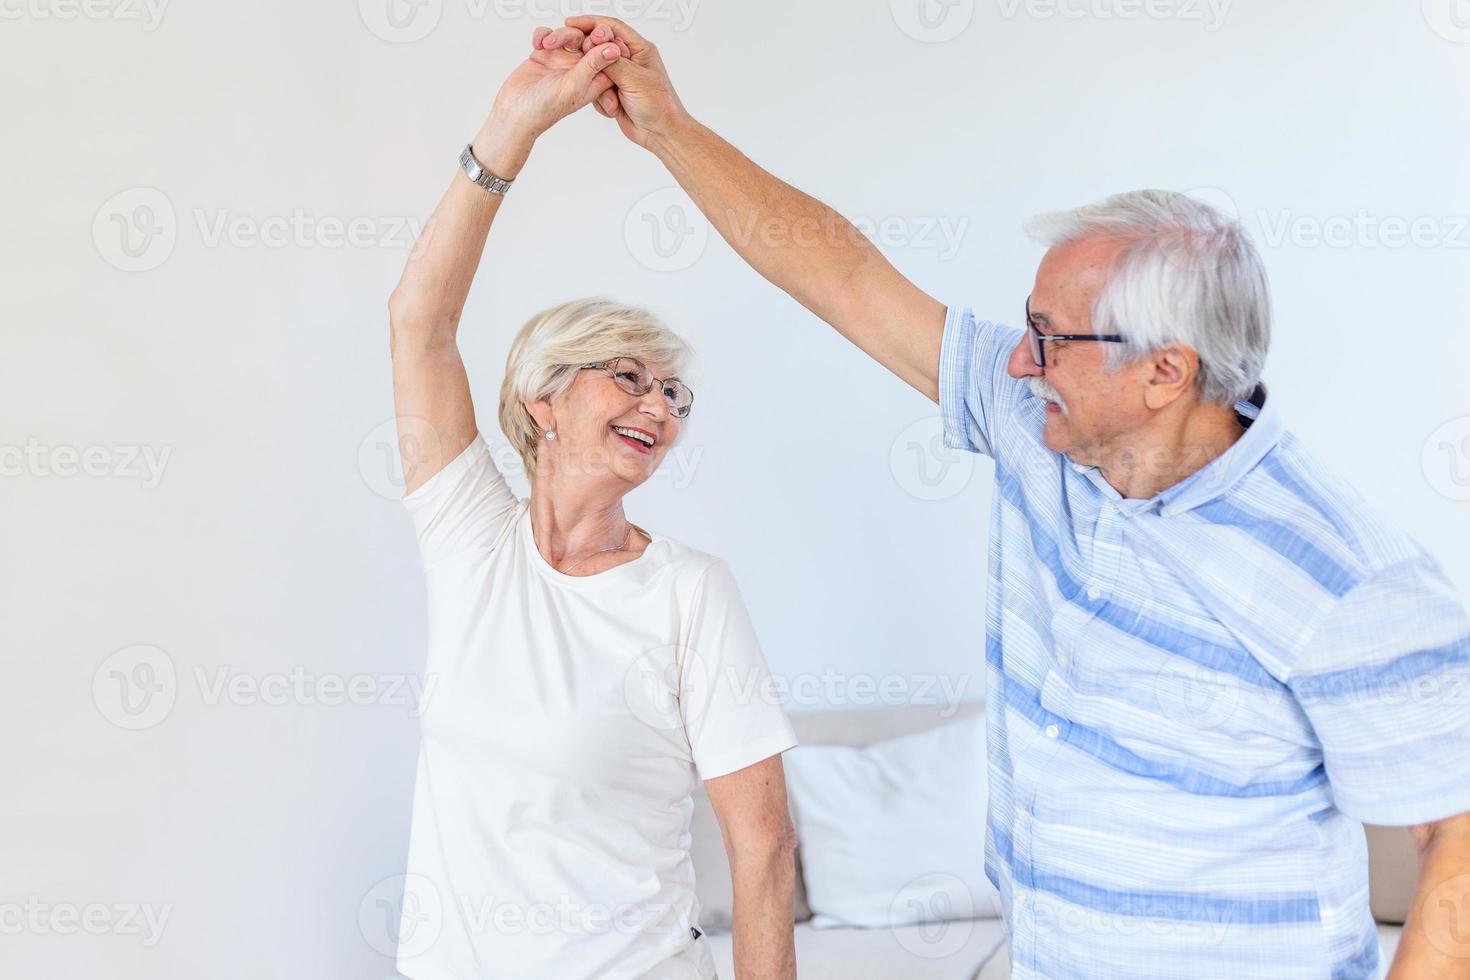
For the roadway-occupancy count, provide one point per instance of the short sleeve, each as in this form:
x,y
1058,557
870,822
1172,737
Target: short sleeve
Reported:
x,y
463,507
1385,681
728,701
974,388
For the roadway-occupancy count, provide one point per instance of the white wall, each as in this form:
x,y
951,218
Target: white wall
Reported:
x,y
268,550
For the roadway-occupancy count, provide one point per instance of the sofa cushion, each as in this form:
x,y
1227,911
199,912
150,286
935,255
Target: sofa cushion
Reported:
x,y
861,727
856,727
894,834
944,951
1393,872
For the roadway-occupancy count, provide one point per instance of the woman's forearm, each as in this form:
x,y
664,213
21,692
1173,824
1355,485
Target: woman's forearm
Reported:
x,y
425,307
1435,941
764,903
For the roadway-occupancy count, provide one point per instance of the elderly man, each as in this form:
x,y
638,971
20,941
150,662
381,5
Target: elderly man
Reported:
x,y
1208,660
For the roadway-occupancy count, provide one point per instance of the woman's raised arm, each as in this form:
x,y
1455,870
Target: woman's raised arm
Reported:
x,y
431,394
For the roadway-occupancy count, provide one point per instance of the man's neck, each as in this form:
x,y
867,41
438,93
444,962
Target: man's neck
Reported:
x,y
1171,450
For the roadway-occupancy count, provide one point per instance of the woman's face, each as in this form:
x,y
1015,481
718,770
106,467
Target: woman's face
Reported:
x,y
603,431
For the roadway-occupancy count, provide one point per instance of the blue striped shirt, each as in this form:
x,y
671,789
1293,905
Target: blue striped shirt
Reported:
x,y
1197,698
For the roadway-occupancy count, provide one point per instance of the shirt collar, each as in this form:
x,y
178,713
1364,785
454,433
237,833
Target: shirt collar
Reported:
x,y
1263,432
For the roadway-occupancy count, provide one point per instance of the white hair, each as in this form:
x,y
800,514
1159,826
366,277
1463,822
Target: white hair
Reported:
x,y
1185,273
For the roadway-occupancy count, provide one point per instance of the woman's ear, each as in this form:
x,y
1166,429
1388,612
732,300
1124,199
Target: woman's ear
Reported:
x,y
540,411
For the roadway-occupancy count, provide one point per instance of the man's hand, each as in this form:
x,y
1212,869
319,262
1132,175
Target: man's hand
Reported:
x,y
647,107
574,40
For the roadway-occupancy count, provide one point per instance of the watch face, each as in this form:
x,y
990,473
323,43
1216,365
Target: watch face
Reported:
x,y
470,164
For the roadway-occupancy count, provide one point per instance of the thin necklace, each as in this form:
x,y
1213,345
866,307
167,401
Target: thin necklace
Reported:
x,y
604,551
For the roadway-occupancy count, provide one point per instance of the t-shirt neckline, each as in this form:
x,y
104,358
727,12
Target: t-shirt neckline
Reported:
x,y
547,570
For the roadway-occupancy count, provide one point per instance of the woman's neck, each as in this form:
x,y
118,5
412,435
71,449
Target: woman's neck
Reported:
x,y
571,522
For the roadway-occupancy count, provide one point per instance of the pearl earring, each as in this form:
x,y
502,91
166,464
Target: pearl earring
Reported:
x,y
550,435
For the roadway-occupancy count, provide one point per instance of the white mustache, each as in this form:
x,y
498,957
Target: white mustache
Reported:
x,y
1041,389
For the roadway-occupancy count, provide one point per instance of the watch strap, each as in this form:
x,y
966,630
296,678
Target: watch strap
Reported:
x,y
476,172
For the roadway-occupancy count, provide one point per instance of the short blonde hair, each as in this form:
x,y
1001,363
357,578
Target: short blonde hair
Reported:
x,y
554,344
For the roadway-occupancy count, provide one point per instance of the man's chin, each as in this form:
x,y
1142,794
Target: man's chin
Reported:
x,y
1053,435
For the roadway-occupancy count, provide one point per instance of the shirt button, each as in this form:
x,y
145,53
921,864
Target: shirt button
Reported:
x,y
1094,593
1062,660
1052,731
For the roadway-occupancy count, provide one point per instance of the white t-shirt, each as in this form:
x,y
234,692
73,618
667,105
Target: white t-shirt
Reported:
x,y
569,721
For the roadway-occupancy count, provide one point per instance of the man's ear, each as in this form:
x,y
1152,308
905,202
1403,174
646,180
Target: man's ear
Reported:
x,y
1173,369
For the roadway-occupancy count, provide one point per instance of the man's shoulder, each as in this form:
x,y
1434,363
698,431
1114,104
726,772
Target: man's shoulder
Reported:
x,y
1295,488
1288,544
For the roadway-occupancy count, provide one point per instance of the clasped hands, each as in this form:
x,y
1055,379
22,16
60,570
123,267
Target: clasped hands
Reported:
x,y
592,60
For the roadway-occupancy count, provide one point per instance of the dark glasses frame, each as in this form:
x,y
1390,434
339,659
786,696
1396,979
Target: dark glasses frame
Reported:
x,y
1038,350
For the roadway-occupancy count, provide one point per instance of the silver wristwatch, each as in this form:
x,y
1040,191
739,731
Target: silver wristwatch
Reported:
x,y
474,171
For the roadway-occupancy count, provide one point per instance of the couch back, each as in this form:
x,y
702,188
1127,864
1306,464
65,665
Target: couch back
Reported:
x,y
1392,860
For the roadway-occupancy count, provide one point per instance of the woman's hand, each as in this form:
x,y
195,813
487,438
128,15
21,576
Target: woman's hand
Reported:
x,y
555,81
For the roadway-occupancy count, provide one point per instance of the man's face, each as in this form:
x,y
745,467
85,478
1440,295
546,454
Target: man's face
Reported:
x,y
1088,407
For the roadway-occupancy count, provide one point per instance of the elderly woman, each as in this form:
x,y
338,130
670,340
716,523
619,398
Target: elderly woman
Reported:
x,y
587,670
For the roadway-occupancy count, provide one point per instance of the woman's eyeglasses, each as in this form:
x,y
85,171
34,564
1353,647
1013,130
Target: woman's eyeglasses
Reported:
x,y
632,376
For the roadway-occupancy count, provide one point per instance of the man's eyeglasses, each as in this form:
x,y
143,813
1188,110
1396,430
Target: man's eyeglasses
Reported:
x,y
632,376
1038,349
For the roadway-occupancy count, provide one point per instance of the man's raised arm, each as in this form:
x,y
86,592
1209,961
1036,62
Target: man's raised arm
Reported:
x,y
791,238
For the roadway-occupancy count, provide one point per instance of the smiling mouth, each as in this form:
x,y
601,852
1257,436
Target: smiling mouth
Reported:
x,y
637,438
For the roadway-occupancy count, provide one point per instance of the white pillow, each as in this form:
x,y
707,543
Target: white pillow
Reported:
x,y
894,834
